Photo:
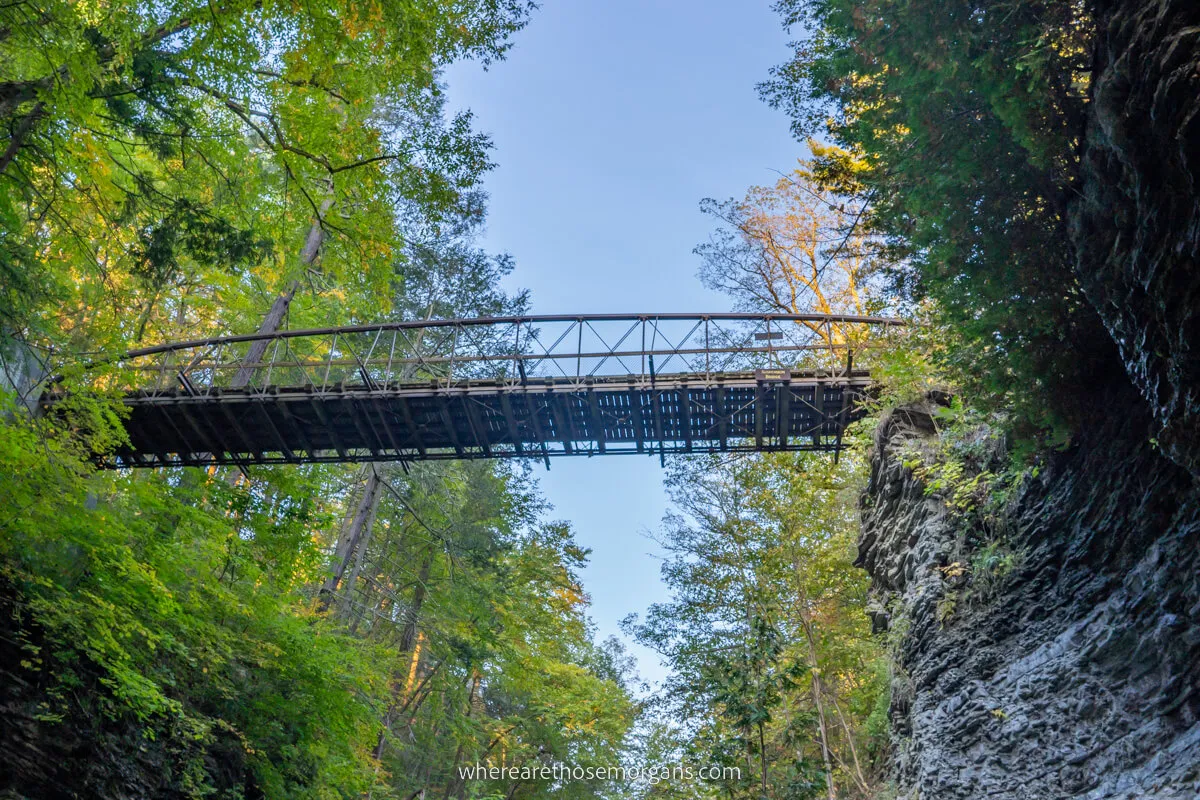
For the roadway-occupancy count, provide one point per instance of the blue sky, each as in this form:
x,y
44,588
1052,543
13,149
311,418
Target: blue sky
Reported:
x,y
611,120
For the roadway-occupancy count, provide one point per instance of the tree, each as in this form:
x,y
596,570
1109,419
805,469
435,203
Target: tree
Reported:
x,y
773,666
793,248
962,120
196,169
797,248
165,159
444,274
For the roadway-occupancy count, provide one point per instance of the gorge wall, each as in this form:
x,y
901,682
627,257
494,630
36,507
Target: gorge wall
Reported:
x,y
1135,227
1075,675
1074,672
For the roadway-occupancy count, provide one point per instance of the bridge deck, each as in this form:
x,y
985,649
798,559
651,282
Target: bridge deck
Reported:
x,y
539,418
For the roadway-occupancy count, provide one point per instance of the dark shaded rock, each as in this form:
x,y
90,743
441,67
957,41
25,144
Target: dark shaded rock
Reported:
x,y
1078,677
1078,674
1136,226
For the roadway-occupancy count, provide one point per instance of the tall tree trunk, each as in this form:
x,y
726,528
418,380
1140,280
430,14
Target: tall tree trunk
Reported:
x,y
412,617
821,723
19,134
408,639
347,609
258,348
348,542
815,669
454,784
861,779
279,308
762,756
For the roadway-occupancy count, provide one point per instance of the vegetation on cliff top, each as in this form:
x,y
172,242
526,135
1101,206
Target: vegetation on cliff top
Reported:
x,y
959,125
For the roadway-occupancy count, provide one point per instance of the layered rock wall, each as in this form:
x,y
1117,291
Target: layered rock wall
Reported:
x,y
1136,225
1074,675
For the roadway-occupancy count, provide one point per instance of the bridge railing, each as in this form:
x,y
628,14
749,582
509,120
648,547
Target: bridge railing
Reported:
x,y
576,349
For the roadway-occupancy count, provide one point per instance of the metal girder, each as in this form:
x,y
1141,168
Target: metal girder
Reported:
x,y
517,350
510,421
596,422
639,422
381,423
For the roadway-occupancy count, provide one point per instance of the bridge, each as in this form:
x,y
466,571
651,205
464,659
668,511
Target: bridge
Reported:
x,y
499,387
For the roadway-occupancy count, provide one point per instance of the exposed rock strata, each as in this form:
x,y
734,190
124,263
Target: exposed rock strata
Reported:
x,y
1136,227
1079,677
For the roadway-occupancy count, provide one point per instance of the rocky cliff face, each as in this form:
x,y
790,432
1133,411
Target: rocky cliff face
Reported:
x,y
1070,667
1136,227
1076,673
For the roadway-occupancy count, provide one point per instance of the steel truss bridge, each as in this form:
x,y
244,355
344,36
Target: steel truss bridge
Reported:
x,y
530,386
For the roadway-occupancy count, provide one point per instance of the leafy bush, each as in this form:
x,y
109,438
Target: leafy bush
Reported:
x,y
173,610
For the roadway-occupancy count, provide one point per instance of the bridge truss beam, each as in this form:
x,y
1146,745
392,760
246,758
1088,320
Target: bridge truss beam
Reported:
x,y
736,412
536,386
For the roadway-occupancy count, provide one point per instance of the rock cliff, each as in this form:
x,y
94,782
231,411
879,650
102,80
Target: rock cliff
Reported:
x,y
1136,226
1074,674
1070,668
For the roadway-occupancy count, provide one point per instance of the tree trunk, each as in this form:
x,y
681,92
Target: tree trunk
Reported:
x,y
279,308
409,635
816,690
274,318
863,785
258,348
348,542
762,756
815,669
408,640
20,133
456,785
347,610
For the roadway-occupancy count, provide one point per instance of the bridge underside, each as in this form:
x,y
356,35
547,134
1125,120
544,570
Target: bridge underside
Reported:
x,y
490,419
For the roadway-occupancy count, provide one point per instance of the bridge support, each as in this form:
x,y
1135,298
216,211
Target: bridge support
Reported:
x,y
731,412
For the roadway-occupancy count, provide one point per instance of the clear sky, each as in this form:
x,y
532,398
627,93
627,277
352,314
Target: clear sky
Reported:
x,y
611,120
